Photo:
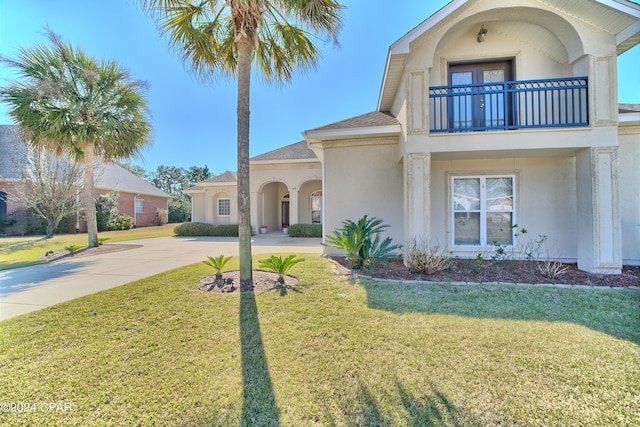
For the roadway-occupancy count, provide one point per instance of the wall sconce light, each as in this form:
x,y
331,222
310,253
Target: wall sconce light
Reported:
x,y
482,34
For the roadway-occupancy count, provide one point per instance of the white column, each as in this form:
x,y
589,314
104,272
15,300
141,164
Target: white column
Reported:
x,y
599,226
418,195
294,206
255,208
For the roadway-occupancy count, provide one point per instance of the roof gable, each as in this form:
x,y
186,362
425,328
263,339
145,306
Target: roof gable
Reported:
x,y
297,151
620,18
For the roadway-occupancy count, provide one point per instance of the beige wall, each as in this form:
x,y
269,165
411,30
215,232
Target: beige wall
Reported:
x,y
363,180
629,158
198,213
545,201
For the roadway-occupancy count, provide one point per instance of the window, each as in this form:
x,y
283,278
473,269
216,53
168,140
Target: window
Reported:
x,y
483,210
139,206
316,207
224,207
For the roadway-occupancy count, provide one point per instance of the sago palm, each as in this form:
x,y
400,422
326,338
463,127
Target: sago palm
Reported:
x,y
66,101
224,37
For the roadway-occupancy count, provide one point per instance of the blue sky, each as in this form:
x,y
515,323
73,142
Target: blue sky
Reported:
x,y
194,123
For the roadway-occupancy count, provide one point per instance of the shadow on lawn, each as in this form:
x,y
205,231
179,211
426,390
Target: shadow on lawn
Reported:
x,y
613,312
429,408
259,407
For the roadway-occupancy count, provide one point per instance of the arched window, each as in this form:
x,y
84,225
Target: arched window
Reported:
x,y
316,207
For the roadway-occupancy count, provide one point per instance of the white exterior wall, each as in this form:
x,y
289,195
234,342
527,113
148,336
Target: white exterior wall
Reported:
x,y
545,200
198,207
363,180
629,166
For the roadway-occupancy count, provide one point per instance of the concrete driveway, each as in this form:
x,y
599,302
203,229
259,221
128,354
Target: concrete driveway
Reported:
x,y
27,289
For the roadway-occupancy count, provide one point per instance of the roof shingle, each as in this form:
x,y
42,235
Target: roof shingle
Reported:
x,y
296,151
372,119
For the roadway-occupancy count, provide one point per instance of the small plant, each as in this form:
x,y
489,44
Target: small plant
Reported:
x,y
72,248
552,269
218,264
425,258
280,265
101,240
362,242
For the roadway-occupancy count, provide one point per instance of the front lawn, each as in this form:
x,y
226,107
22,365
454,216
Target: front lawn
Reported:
x,y
329,352
25,251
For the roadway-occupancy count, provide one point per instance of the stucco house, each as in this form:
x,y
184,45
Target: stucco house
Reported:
x,y
286,188
136,197
491,113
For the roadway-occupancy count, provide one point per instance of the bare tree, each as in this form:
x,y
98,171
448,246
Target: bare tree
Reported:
x,y
50,185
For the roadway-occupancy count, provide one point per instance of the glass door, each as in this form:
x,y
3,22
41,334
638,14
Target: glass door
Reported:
x,y
479,100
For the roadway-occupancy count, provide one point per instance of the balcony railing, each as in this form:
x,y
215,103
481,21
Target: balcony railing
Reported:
x,y
509,105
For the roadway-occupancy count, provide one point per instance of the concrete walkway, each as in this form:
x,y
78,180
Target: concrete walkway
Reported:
x,y
27,289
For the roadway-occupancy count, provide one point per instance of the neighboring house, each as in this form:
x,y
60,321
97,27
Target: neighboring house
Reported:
x,y
137,198
491,113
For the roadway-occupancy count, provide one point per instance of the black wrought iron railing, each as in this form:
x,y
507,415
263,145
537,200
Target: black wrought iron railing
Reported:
x,y
509,105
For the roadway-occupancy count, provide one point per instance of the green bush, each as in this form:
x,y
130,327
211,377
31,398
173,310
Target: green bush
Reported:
x,y
305,230
122,222
202,229
362,242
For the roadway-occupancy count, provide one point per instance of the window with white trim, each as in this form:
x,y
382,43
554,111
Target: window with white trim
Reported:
x,y
139,206
483,210
224,207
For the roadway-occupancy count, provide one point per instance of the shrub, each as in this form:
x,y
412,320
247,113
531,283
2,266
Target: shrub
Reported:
x,y
361,241
122,222
161,217
202,229
425,258
305,230
280,265
107,211
552,269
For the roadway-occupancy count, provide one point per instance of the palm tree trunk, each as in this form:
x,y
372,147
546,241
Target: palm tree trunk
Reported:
x,y
245,49
89,196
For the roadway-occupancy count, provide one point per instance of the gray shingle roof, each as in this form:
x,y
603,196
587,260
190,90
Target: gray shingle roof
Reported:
x,y
108,176
297,151
629,108
223,178
11,153
372,119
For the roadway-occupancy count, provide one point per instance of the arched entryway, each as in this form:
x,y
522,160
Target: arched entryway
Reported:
x,y
274,205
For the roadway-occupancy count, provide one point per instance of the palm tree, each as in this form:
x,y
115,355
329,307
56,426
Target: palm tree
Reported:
x,y
224,37
70,103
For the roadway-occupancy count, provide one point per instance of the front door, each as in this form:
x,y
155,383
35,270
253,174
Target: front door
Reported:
x,y
285,214
483,102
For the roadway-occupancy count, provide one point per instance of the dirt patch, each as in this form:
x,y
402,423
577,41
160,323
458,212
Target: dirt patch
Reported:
x,y
467,271
85,252
262,281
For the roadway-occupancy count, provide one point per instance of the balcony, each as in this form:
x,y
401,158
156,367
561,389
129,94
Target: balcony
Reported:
x,y
525,104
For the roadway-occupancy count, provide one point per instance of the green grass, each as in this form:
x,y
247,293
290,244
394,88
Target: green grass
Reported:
x,y
25,251
330,352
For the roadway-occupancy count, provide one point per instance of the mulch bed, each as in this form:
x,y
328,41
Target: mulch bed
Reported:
x,y
469,271
230,282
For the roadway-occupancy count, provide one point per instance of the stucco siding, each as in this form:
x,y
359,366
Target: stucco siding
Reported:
x,y
198,207
545,200
629,167
363,180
